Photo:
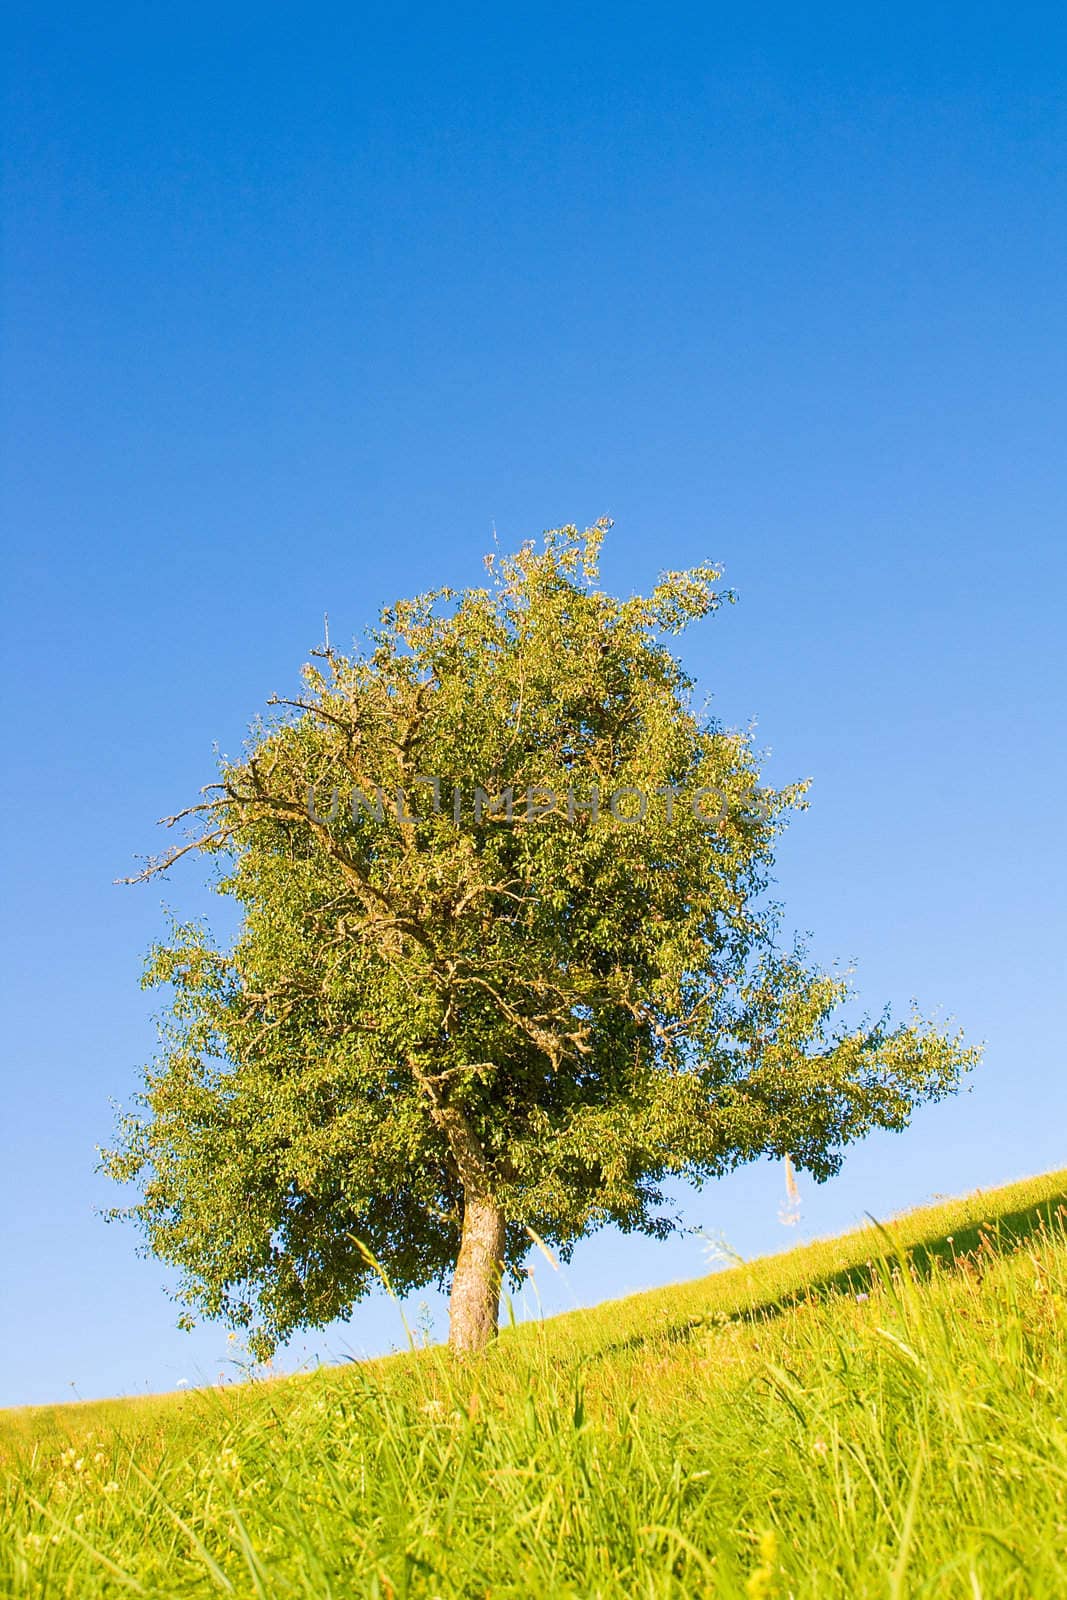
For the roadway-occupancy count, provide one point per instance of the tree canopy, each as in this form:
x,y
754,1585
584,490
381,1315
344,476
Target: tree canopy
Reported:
x,y
506,962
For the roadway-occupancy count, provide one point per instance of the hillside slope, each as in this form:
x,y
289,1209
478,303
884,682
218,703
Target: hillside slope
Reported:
x,y
878,1414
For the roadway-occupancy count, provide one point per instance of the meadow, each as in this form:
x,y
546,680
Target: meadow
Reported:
x,y
880,1414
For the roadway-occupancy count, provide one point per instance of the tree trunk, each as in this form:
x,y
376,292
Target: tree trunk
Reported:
x,y
475,1303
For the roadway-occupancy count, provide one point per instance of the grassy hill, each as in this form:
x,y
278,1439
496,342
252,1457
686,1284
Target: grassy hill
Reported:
x,y
880,1414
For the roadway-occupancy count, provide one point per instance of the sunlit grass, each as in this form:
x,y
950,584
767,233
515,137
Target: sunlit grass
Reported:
x,y
880,1414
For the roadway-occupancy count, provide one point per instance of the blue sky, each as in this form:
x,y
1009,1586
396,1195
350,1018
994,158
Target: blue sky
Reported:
x,y
298,309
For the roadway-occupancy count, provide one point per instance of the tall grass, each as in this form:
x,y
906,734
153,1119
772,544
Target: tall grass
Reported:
x,y
877,1415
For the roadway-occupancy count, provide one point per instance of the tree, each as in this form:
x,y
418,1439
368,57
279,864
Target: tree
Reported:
x,y
505,964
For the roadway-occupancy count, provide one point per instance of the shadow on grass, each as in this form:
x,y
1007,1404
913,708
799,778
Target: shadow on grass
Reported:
x,y
968,1244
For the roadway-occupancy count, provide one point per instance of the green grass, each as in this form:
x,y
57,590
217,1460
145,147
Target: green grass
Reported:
x,y
880,1414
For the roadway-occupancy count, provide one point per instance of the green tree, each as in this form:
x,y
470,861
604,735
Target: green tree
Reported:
x,y
505,963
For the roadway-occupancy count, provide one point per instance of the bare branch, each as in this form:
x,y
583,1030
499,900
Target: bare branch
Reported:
x,y
314,709
160,864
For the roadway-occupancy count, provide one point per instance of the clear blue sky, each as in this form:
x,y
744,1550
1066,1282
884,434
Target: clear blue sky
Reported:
x,y
298,306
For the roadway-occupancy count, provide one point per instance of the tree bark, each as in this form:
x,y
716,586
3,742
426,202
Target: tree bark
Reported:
x,y
474,1306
